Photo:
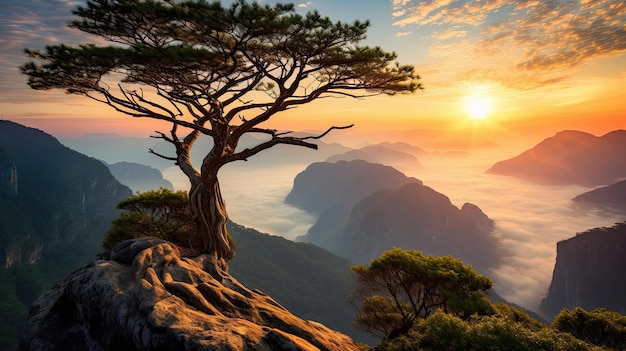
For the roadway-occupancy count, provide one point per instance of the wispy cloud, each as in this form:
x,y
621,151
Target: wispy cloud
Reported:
x,y
404,34
305,5
31,24
562,34
525,37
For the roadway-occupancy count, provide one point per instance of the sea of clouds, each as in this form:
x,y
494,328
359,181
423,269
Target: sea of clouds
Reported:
x,y
530,219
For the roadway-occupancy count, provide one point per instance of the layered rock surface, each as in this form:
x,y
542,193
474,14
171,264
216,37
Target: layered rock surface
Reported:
x,y
146,294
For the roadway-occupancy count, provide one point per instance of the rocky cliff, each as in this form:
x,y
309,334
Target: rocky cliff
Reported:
x,y
590,272
147,294
8,173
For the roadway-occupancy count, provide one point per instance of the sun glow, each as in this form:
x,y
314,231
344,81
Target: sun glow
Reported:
x,y
477,107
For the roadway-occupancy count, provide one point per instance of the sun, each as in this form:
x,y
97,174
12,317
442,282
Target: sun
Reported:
x,y
477,107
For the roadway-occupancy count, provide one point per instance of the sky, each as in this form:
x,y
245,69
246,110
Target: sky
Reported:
x,y
492,67
494,72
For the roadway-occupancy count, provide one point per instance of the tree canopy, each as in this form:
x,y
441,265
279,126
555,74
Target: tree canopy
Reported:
x,y
215,71
402,286
599,326
160,213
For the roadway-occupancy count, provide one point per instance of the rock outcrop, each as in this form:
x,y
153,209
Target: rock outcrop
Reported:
x,y
146,294
589,272
8,173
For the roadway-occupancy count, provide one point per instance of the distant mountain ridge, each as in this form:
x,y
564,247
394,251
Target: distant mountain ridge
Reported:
x,y
371,208
613,195
570,157
378,154
323,185
138,177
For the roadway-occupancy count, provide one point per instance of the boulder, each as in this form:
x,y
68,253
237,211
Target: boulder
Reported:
x,y
148,294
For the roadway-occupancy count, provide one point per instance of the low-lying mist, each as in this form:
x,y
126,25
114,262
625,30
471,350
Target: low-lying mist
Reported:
x,y
530,219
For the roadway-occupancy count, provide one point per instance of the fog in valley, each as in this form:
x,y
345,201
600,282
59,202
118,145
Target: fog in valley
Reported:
x,y
530,219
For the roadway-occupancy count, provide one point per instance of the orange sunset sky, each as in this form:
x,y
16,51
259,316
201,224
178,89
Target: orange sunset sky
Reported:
x,y
492,67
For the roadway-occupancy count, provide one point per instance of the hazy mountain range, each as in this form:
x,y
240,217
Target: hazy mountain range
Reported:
x,y
57,204
365,209
613,195
570,157
138,177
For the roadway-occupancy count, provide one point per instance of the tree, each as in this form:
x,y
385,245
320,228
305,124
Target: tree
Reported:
x,y
508,328
402,286
161,213
219,72
599,327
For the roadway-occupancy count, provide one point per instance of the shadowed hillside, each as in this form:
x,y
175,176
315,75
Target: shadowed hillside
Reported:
x,y
55,207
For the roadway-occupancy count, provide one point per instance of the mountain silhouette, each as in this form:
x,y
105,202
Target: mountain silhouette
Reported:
x,y
570,157
613,195
138,177
367,209
378,154
323,184
417,217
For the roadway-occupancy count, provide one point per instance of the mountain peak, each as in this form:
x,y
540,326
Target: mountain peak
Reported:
x,y
570,157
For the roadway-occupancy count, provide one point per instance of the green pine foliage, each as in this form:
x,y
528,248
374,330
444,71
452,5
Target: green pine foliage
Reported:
x,y
509,328
599,326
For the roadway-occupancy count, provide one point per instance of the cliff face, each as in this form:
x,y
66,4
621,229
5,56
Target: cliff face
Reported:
x,y
8,173
146,295
590,272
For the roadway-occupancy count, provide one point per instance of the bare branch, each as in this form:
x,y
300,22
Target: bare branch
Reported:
x,y
163,156
327,131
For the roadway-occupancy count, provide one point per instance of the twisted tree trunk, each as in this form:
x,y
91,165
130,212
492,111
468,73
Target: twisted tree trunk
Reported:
x,y
209,212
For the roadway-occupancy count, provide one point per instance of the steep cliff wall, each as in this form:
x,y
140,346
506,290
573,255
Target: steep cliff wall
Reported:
x,y
590,272
8,173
